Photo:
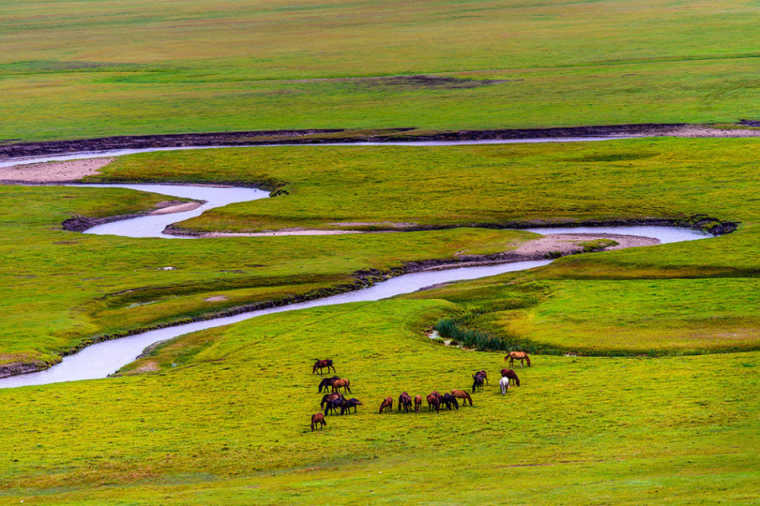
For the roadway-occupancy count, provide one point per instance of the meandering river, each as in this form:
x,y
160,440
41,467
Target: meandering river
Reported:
x,y
101,359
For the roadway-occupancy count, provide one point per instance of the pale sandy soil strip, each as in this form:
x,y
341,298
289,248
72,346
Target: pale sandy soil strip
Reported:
x,y
568,243
283,232
692,131
54,172
177,208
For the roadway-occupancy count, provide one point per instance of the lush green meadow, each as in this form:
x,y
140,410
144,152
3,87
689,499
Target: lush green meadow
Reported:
x,y
64,289
221,416
75,69
229,423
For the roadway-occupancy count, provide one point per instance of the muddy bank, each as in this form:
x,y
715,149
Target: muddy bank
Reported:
x,y
321,136
17,368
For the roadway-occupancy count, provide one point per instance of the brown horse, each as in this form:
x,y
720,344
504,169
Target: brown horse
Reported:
x,y
417,403
483,374
318,418
512,375
341,383
461,394
405,401
434,401
517,355
387,403
321,364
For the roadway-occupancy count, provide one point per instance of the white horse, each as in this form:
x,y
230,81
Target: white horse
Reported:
x,y
504,385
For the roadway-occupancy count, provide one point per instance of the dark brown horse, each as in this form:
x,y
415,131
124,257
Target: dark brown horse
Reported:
x,y
483,374
517,355
434,401
327,383
334,404
341,383
321,364
477,382
449,400
347,404
331,402
318,418
512,375
417,403
461,394
387,403
405,401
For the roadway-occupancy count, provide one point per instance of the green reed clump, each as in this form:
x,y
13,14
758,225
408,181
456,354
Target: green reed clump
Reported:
x,y
468,337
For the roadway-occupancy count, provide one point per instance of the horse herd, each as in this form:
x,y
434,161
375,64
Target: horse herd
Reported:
x,y
333,400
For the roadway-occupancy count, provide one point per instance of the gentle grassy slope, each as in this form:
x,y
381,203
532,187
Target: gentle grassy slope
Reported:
x,y
64,288
82,69
610,317
229,423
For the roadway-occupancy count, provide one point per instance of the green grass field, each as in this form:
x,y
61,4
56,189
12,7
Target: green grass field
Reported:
x,y
225,420
644,386
75,69
222,416
65,289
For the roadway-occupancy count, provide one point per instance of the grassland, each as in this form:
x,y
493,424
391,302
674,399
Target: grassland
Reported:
x,y
229,423
438,187
222,416
72,69
66,289
63,289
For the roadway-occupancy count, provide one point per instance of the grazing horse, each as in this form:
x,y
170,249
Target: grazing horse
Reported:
x,y
509,373
483,374
321,364
517,355
405,401
448,400
387,403
417,403
318,418
477,382
331,402
434,401
347,404
327,383
504,385
341,383
461,394
334,404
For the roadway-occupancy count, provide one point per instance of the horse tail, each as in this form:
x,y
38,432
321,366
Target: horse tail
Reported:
x,y
527,359
517,380
469,398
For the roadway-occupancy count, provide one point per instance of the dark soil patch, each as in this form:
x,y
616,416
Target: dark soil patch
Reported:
x,y
423,81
